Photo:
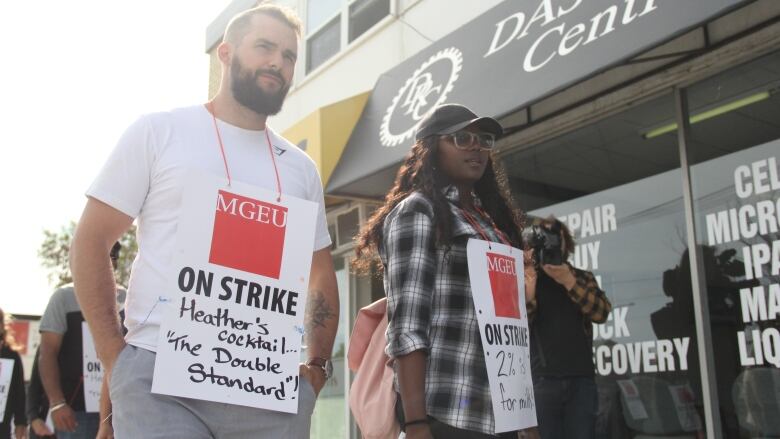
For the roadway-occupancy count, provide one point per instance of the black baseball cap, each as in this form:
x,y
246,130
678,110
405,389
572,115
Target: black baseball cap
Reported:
x,y
450,118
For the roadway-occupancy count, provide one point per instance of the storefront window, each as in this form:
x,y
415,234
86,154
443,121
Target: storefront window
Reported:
x,y
618,186
364,14
322,45
324,25
329,419
320,11
734,146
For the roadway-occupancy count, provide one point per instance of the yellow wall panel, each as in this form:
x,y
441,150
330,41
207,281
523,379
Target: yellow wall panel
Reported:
x,y
327,131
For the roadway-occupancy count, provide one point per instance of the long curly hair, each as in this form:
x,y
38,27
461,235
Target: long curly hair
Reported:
x,y
418,173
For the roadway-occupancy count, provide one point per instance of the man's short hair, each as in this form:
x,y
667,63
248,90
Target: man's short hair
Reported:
x,y
115,250
239,24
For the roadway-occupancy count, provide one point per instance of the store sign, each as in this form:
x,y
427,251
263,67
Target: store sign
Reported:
x,y
510,56
615,234
634,246
746,225
548,25
428,87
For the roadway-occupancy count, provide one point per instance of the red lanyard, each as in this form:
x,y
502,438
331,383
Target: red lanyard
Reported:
x,y
210,106
475,224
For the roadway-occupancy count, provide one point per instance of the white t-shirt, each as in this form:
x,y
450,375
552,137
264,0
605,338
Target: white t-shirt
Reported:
x,y
143,179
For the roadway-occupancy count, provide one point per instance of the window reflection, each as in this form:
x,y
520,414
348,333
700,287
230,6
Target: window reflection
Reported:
x,y
618,186
737,211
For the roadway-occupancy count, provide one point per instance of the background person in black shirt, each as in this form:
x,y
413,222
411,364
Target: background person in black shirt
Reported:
x,y
61,362
37,405
563,303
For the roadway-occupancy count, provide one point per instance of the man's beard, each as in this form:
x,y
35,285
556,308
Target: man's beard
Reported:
x,y
250,94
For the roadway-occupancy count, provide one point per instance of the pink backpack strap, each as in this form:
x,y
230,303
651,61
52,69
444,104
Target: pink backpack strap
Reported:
x,y
371,396
365,324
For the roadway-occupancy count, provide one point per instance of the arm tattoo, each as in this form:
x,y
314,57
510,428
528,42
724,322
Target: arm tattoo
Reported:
x,y
318,311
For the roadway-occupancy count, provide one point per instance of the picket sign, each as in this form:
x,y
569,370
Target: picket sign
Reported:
x,y
233,323
498,289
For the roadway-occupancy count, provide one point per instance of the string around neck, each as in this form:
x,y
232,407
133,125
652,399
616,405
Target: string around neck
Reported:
x,y
210,108
474,223
501,235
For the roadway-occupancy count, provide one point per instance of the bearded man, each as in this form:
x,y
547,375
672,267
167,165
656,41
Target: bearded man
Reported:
x,y
145,179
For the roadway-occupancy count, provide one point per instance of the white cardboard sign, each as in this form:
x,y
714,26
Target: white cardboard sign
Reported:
x,y
498,289
93,371
50,422
6,373
233,324
685,402
636,408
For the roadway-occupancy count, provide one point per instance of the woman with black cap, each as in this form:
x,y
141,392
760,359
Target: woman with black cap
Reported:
x,y
446,192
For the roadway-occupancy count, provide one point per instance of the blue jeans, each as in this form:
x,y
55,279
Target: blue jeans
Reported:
x,y
566,407
87,427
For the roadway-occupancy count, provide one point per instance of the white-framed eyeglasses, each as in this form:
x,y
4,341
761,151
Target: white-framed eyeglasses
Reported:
x,y
466,139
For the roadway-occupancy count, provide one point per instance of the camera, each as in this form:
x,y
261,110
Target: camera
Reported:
x,y
545,243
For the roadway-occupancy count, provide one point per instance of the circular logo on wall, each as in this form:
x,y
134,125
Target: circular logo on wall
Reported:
x,y
424,90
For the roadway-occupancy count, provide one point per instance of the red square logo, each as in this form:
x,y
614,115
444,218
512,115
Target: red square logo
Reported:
x,y
503,284
248,235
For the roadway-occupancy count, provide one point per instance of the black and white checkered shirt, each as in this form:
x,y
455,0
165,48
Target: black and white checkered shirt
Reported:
x,y
430,307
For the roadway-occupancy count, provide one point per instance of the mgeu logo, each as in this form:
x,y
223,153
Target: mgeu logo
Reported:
x,y
502,273
252,210
248,234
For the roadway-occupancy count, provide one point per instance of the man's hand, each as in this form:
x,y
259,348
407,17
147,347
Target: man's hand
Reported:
x,y
111,355
314,375
322,315
64,419
40,428
562,274
20,432
529,271
106,430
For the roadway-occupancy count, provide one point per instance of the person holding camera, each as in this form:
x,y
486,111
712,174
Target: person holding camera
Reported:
x,y
563,303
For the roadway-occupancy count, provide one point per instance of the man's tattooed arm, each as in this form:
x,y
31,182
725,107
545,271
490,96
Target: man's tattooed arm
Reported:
x,y
322,308
318,312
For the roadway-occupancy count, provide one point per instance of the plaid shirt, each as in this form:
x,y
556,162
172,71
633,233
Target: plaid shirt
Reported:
x,y
587,294
430,307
